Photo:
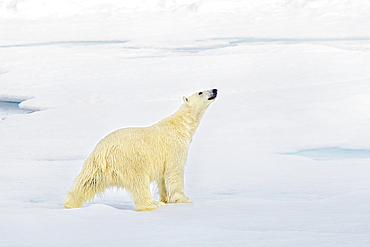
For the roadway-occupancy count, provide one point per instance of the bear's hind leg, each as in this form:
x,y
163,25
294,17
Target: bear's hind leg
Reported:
x,y
162,190
143,199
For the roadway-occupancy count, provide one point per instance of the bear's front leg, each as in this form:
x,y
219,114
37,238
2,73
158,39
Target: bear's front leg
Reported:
x,y
174,185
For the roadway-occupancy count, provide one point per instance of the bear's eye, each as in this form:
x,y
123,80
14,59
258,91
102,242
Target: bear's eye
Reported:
x,y
200,93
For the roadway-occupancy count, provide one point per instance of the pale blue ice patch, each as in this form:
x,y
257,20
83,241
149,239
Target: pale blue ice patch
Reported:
x,y
205,45
333,153
68,43
8,108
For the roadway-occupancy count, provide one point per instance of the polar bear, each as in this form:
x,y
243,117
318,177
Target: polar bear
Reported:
x,y
132,158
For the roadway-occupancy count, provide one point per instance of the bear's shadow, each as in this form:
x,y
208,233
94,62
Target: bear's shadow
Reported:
x,y
119,206
122,207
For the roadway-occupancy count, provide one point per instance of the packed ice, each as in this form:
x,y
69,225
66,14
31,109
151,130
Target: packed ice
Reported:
x,y
292,76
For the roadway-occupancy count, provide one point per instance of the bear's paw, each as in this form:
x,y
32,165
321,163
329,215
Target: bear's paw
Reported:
x,y
178,198
150,206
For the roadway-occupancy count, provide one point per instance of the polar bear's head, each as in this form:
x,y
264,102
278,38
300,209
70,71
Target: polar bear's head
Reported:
x,y
201,99
191,112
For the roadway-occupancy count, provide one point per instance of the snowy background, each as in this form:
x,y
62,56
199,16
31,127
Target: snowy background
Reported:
x,y
292,75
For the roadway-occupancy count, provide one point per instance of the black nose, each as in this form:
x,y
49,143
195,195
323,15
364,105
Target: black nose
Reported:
x,y
214,91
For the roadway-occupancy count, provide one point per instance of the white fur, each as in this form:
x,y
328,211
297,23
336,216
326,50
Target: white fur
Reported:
x,y
132,158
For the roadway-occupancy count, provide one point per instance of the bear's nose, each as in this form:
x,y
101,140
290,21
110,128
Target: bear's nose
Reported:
x,y
214,91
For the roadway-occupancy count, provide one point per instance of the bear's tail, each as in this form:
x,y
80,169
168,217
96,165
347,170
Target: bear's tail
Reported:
x,y
89,182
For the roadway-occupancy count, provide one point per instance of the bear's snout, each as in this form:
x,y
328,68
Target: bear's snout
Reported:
x,y
213,95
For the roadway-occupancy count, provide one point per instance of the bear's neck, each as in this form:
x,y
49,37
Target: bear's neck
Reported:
x,y
186,120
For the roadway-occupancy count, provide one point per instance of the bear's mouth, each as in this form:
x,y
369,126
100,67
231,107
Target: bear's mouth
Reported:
x,y
214,94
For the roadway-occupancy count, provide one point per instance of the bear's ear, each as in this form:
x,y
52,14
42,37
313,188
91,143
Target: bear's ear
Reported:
x,y
185,99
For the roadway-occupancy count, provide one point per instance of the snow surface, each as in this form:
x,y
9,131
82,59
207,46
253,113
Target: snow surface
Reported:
x,y
292,75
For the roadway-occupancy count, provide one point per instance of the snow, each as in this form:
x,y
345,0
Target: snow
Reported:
x,y
291,75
